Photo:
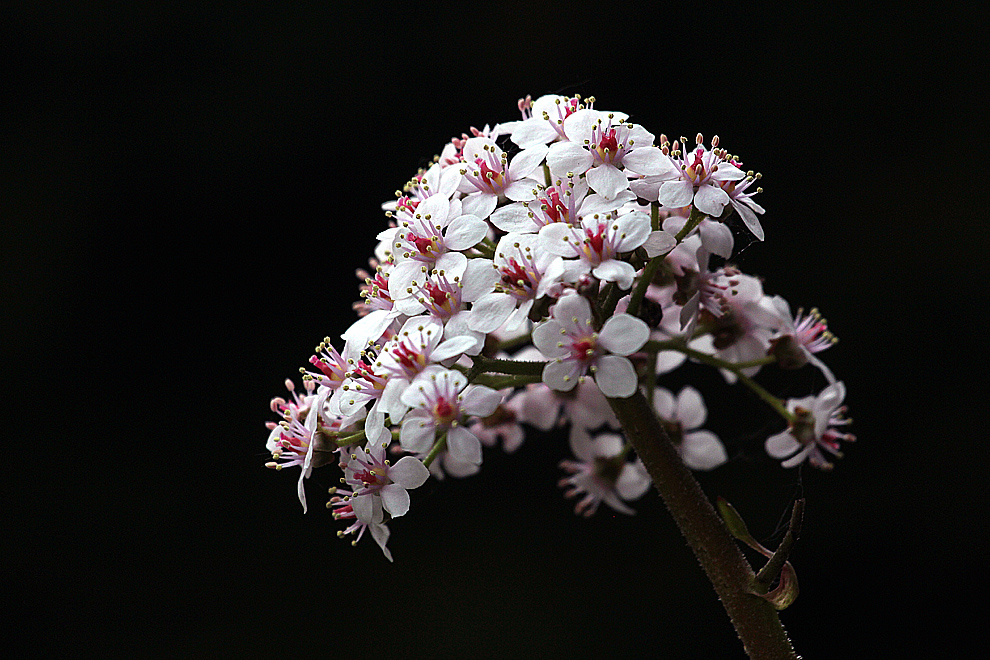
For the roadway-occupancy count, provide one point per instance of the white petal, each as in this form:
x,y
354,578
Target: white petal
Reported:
x,y
565,157
623,334
633,481
648,160
480,400
526,161
659,242
702,450
664,403
417,434
546,336
781,445
675,194
552,239
521,190
395,499
716,238
711,200
409,472
616,377
479,204
607,180
614,270
479,278
464,445
364,506
749,219
514,218
533,132
562,376
380,533
691,411
633,230
464,232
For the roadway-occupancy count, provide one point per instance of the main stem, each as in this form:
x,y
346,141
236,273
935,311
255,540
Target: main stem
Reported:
x,y
754,618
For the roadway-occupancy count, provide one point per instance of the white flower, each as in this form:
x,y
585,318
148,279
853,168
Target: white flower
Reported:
x,y
798,337
597,243
441,399
377,484
812,431
415,347
701,450
488,176
565,201
575,348
602,473
522,267
600,144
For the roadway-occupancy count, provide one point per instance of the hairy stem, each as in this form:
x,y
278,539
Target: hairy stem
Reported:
x,y
755,620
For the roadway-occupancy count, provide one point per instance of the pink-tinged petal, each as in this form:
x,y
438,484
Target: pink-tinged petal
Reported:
x,y
380,533
514,218
649,160
578,125
479,278
490,311
711,200
368,328
465,232
633,481
409,472
727,172
614,502
675,194
479,204
702,450
364,507
616,377
565,157
480,400
395,499
798,458
533,132
659,242
563,375
552,239
607,180
452,347
623,334
667,361
716,238
417,434
632,229
647,188
691,411
464,445
664,403
749,219
581,444
540,407
613,270
527,160
521,190
573,309
301,491
546,336
782,444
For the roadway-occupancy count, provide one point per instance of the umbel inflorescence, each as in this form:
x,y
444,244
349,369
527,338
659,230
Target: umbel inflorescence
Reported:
x,y
534,271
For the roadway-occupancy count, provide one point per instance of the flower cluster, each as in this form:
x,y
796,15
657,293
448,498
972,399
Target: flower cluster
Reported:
x,y
533,272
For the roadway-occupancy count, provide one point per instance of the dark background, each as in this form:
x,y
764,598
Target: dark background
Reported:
x,y
187,191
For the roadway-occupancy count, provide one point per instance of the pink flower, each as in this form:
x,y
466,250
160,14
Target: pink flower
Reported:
x,y
440,400
488,176
701,450
811,431
575,348
602,473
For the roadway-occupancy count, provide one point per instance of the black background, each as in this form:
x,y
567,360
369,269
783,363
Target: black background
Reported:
x,y
187,191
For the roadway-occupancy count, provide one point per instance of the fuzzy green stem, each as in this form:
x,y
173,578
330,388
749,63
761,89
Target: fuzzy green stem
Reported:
x,y
755,620
435,450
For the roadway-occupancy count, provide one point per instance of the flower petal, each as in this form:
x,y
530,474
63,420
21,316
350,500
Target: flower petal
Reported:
x,y
409,472
464,445
615,376
624,334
